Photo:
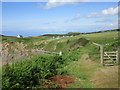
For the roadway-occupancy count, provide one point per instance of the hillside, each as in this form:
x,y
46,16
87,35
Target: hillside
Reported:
x,y
77,33
16,49
80,58
68,34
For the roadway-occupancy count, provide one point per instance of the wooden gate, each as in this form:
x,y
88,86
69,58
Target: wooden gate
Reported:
x,y
110,58
107,58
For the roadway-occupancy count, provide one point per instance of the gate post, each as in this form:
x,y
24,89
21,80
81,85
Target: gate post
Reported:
x,y
60,53
102,54
117,56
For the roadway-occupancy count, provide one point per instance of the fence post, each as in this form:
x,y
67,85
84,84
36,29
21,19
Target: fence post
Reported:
x,y
117,56
60,53
102,54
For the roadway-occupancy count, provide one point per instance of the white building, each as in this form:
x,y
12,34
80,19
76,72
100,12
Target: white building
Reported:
x,y
71,35
19,36
58,37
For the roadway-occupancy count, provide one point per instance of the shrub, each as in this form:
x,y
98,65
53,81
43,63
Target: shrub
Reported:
x,y
31,72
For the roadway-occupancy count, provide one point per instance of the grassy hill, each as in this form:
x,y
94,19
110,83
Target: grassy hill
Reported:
x,y
79,52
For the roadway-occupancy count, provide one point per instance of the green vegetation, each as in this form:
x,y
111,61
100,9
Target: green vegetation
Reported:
x,y
83,70
70,33
77,52
102,38
23,40
31,73
65,45
108,39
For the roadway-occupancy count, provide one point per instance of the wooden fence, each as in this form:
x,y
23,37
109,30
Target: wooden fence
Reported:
x,y
48,52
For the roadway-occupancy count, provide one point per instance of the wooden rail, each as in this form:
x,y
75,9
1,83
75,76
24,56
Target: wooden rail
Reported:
x,y
48,52
111,52
113,56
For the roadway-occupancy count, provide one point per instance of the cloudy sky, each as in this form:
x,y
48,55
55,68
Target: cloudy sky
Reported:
x,y
37,18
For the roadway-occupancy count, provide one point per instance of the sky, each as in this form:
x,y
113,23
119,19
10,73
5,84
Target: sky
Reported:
x,y
38,18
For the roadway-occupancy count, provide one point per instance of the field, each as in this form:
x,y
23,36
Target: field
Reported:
x,y
80,60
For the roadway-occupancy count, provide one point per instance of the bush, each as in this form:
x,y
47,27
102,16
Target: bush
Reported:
x,y
82,41
31,72
71,56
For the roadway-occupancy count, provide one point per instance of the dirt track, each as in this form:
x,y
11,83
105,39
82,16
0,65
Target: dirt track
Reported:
x,y
103,77
106,77
90,74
